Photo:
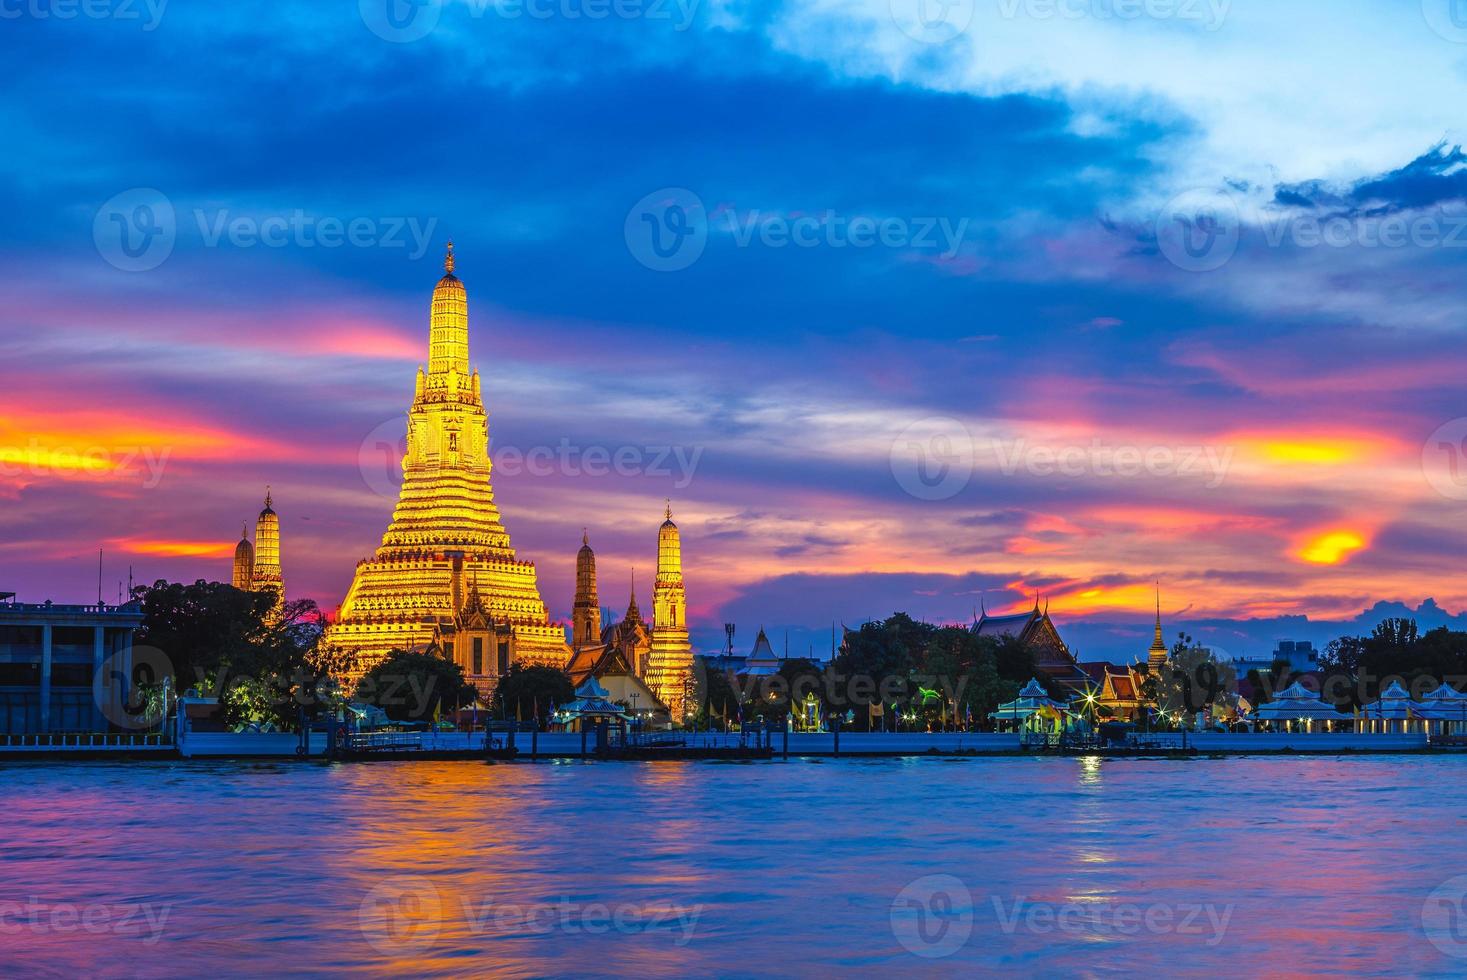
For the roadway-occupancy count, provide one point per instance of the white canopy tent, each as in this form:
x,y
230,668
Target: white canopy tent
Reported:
x,y
1395,711
1448,707
1297,705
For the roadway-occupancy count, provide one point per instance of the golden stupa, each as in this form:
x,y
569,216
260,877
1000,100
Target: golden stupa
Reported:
x,y
446,574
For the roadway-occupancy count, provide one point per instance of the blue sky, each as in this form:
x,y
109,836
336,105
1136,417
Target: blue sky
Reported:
x,y
1029,173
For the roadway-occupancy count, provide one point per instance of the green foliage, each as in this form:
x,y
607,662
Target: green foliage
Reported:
x,y
217,638
968,673
1193,681
1394,650
524,688
415,686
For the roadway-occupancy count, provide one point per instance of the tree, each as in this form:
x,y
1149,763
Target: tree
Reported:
x,y
415,686
226,643
718,699
525,689
1193,681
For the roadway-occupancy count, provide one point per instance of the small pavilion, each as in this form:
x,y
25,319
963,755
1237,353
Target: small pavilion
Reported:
x,y
591,707
1033,710
1299,706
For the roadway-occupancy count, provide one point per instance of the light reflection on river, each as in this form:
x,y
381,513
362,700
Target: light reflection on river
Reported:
x,y
1021,866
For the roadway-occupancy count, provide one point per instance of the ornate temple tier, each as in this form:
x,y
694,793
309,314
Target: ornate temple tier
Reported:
x,y
446,550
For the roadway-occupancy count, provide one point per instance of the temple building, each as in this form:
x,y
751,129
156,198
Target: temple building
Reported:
x,y
266,573
1035,631
670,664
1114,690
244,562
446,573
586,609
257,566
631,634
650,663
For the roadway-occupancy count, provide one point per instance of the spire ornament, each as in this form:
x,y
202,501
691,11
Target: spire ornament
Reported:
x,y
448,259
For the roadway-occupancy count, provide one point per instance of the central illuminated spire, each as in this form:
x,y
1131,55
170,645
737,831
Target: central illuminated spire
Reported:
x,y
446,527
448,337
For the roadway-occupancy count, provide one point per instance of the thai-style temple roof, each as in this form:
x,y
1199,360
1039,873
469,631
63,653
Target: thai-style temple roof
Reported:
x,y
1036,631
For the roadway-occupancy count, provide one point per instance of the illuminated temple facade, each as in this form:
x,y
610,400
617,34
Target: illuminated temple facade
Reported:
x,y
656,654
257,566
446,575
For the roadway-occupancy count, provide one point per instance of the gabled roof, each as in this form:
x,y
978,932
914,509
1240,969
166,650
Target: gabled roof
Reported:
x,y
593,662
1015,626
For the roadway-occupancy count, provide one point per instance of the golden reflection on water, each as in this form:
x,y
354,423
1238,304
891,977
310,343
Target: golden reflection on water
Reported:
x,y
674,869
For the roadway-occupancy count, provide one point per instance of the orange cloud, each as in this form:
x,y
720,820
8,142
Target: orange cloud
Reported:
x,y
174,549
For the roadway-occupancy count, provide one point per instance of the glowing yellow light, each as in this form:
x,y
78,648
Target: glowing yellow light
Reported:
x,y
1322,453
55,459
1332,547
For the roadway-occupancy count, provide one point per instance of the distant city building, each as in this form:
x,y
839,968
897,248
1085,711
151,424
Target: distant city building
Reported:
x,y
63,667
1300,655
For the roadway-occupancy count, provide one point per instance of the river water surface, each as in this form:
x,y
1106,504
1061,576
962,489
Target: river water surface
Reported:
x,y
1055,867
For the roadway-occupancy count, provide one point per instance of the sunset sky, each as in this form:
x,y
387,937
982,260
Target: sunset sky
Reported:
x,y
1034,379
